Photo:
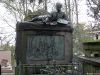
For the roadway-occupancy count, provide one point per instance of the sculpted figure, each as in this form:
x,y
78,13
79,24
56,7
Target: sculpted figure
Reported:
x,y
58,14
53,18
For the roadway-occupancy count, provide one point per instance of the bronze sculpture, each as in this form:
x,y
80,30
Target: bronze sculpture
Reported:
x,y
58,14
54,18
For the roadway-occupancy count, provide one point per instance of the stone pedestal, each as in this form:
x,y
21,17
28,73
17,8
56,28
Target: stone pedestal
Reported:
x,y
43,44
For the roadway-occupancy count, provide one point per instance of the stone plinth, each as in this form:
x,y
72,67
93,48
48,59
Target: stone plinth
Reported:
x,y
43,44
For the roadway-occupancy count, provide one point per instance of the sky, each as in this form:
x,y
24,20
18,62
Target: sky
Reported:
x,y
7,27
82,8
6,21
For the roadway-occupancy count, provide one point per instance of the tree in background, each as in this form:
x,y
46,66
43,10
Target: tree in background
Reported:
x,y
80,35
8,47
94,6
20,8
26,9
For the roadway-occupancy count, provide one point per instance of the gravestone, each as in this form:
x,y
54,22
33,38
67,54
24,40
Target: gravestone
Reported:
x,y
38,44
43,41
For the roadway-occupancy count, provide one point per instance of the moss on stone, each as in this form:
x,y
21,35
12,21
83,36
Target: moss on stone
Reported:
x,y
91,41
92,45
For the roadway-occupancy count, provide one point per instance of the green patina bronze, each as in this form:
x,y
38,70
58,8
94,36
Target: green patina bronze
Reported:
x,y
41,47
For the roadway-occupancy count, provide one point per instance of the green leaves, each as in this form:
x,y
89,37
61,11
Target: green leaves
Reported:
x,y
81,34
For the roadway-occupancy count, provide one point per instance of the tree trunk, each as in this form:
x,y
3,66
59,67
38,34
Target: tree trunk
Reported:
x,y
66,7
26,7
45,5
76,7
23,4
69,10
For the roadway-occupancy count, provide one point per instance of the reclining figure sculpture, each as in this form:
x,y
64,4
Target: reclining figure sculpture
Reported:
x,y
54,18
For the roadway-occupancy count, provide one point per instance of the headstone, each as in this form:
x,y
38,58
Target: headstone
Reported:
x,y
38,44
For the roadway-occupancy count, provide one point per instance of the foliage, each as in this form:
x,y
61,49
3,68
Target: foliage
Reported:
x,y
8,47
80,34
93,41
20,8
15,8
55,69
94,6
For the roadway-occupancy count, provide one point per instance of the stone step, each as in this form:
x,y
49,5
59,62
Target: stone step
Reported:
x,y
7,74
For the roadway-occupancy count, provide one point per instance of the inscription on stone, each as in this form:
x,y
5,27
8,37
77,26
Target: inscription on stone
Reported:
x,y
42,47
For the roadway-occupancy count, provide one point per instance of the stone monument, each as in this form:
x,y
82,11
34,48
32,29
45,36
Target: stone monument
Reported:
x,y
41,43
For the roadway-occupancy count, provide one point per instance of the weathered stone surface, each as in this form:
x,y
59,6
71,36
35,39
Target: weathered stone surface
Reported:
x,y
38,44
